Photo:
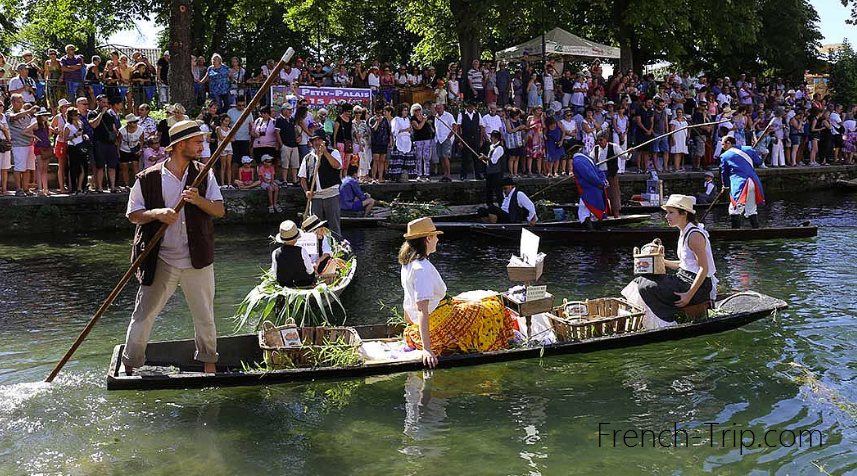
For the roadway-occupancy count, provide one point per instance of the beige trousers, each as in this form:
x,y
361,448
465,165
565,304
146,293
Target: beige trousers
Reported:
x,y
198,289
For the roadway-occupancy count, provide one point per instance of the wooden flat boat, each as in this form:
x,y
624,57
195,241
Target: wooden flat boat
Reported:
x,y
170,364
465,227
846,184
337,288
635,207
638,236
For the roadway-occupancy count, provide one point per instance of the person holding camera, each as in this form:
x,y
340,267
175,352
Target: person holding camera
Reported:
x,y
319,174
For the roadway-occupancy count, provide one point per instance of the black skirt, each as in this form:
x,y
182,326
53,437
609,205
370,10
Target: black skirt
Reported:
x,y
658,292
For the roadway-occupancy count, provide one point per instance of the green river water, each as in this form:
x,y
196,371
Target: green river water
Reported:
x,y
518,418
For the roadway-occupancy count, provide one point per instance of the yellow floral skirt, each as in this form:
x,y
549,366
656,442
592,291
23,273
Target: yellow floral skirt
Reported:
x,y
466,326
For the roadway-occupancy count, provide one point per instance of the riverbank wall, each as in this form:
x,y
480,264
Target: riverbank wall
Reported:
x,y
101,212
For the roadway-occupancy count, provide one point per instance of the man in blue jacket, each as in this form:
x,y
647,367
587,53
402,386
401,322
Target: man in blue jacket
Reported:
x,y
592,187
738,173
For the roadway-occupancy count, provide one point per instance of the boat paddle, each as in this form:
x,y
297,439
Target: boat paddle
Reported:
x,y
155,239
717,198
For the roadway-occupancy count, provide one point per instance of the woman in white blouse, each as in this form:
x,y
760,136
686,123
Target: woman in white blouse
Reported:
x,y
439,324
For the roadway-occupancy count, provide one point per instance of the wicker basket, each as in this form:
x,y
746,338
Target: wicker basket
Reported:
x,y
278,355
578,320
650,259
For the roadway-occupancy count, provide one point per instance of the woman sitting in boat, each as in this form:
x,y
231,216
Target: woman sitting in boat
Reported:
x,y
324,251
291,264
516,207
665,296
439,324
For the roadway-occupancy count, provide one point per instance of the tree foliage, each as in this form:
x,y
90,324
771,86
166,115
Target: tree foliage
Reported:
x,y
843,74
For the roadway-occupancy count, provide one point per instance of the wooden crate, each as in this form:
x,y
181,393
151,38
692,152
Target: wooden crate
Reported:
x,y
526,273
579,320
528,308
277,356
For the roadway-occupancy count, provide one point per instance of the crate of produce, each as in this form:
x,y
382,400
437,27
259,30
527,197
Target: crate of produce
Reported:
x,y
526,273
579,320
290,346
521,307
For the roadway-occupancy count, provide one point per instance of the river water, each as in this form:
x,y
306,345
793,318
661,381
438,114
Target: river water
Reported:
x,y
791,373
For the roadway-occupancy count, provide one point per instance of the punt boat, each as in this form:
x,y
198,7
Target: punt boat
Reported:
x,y
170,364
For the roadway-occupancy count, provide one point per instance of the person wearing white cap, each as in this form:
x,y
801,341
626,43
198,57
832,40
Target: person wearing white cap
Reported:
x,y
23,84
246,174
130,147
664,296
61,146
185,255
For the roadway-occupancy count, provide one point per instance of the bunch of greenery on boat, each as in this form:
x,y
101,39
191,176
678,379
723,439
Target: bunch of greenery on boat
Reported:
x,y
545,209
403,212
331,353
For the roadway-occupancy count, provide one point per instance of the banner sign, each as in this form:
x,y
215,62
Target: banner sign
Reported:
x,y
325,96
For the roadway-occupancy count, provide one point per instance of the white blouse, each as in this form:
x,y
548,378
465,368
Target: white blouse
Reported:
x,y
421,282
687,258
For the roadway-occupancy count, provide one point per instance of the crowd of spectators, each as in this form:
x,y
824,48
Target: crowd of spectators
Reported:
x,y
93,118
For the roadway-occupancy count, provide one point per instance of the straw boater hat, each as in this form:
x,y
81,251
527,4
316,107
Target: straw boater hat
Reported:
x,y
682,202
312,223
421,228
131,118
289,232
63,102
183,130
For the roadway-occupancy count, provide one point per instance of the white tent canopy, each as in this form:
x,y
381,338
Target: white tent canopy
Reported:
x,y
559,42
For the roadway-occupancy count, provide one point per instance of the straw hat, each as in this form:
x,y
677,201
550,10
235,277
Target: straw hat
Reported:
x,y
682,202
289,232
727,111
43,112
183,130
420,228
312,223
131,118
63,102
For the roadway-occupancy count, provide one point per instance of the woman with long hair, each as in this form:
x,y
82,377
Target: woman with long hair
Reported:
x,y
816,125
515,131
43,150
437,324
402,157
535,142
379,126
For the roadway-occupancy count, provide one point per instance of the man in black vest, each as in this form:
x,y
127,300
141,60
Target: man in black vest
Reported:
x,y
516,208
322,188
185,254
470,128
604,150
289,263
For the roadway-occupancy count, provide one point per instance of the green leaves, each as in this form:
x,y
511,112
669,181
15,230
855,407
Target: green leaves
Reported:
x,y
843,74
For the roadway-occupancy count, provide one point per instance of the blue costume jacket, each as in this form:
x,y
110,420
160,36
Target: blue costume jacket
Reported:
x,y
350,195
590,184
736,171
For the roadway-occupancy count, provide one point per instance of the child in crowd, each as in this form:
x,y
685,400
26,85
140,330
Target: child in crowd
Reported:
x,y
440,94
266,179
709,190
206,143
246,175
153,154
226,155
43,150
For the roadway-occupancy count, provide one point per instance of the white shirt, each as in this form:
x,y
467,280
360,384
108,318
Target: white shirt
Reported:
x,y
577,98
441,130
850,125
174,248
18,83
497,154
835,123
523,201
421,282
309,162
373,80
548,82
491,123
291,77
570,128
130,139
72,131
687,259
306,259
325,249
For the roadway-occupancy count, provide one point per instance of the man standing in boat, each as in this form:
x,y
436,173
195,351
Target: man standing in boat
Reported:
x,y
324,194
605,150
185,255
592,187
738,173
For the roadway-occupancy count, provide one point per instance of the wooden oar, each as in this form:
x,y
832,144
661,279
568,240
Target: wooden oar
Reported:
x,y
452,129
203,175
717,198
312,185
667,134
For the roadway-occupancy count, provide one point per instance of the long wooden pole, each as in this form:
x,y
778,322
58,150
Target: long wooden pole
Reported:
x,y
203,175
717,198
667,134
452,129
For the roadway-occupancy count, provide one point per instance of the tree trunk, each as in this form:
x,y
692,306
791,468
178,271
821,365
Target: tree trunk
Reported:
x,y
623,36
219,26
468,25
180,77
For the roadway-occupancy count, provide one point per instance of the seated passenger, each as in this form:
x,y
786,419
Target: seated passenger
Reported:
x,y
440,324
663,296
709,193
516,208
351,197
291,264
324,251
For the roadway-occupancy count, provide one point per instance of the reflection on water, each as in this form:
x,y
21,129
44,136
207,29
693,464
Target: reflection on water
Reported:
x,y
529,417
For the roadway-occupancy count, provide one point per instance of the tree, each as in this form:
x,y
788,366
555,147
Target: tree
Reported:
x,y
179,76
853,3
843,74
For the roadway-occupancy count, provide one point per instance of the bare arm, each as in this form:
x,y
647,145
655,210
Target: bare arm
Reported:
x,y
429,359
697,245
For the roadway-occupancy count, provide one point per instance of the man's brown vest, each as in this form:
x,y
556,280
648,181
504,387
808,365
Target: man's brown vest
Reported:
x,y
200,229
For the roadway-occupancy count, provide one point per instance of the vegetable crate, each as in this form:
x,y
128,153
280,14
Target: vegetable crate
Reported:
x,y
579,320
280,353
